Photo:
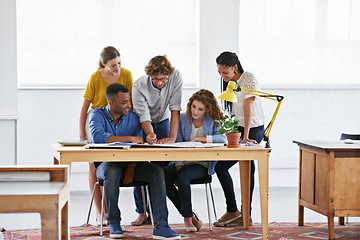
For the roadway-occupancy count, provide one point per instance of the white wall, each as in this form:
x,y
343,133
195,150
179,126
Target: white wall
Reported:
x,y
8,82
304,114
46,116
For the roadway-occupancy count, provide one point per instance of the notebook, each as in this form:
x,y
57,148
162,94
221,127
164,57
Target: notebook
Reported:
x,y
73,142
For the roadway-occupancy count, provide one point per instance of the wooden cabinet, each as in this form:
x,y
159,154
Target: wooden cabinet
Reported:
x,y
329,180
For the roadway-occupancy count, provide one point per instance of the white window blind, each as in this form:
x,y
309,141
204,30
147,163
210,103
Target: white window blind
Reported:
x,y
59,41
301,41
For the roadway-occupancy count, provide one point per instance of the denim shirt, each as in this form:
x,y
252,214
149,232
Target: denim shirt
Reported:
x,y
102,126
184,134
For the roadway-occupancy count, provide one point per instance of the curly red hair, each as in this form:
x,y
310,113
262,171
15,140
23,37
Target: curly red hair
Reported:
x,y
211,105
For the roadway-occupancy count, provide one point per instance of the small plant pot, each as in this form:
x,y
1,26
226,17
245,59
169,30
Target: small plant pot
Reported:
x,y
233,139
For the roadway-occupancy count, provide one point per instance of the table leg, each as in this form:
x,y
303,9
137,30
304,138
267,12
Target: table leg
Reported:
x,y
245,169
301,215
341,220
65,232
56,161
301,208
50,224
331,226
264,194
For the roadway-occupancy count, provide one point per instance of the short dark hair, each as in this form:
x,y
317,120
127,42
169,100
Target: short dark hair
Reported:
x,y
113,89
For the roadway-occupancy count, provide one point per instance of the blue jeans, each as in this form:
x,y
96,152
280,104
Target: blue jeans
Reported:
x,y
162,130
222,172
112,173
181,196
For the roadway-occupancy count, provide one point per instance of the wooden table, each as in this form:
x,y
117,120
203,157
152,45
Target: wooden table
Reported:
x,y
329,180
48,196
67,155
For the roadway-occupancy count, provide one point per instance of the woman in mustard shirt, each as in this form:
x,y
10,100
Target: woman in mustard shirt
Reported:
x,y
109,71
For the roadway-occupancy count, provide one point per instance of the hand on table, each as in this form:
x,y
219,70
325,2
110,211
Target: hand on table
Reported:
x,y
151,138
165,140
250,140
135,139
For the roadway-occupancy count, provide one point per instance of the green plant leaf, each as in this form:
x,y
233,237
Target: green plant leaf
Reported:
x,y
228,124
222,131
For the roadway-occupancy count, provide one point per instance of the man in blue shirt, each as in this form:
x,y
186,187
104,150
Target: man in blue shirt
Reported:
x,y
116,123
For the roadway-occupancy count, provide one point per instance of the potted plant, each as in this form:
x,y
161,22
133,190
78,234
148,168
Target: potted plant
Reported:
x,y
228,125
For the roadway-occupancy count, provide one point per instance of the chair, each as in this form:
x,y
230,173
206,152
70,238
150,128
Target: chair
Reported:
x,y
100,182
207,181
345,136
350,136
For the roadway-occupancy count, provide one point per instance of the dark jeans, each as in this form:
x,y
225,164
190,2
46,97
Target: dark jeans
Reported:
x,y
222,172
162,130
112,173
181,196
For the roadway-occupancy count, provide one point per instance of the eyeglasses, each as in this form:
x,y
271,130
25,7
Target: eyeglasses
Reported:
x,y
164,79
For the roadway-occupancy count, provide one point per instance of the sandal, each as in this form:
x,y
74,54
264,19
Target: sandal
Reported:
x,y
105,222
199,223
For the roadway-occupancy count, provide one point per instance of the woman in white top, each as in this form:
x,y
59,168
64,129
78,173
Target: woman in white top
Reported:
x,y
249,112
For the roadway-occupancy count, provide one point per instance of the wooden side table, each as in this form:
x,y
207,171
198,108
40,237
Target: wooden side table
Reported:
x,y
49,197
329,180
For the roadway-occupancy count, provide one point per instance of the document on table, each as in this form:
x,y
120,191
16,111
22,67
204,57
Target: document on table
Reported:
x,y
166,145
183,145
117,145
180,145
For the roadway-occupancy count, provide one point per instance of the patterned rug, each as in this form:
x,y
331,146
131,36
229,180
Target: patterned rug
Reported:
x,y
280,231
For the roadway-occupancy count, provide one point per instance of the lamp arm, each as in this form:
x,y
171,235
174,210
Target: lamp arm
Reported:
x,y
269,127
273,97
263,94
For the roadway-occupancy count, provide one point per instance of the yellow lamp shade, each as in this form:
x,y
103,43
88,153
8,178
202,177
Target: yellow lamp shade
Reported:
x,y
229,94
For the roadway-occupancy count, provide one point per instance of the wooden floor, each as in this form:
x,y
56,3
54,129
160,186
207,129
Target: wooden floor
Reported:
x,y
282,208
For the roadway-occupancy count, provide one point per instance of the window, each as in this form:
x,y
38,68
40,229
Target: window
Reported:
x,y
301,41
59,42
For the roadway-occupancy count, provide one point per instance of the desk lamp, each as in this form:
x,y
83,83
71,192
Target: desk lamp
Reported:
x,y
230,96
